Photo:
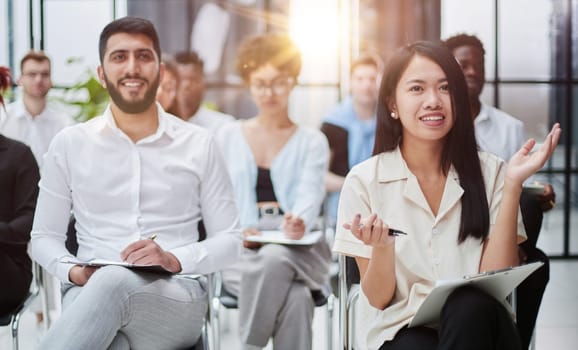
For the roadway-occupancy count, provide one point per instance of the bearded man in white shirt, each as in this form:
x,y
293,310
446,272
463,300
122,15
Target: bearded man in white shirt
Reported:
x,y
138,181
31,119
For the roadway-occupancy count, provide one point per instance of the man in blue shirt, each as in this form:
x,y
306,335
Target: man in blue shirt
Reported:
x,y
350,127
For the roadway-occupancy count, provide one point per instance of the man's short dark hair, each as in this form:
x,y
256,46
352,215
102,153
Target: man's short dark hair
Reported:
x,y
367,59
130,25
190,57
456,41
170,64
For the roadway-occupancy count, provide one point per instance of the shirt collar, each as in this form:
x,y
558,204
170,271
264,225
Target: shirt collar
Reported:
x,y
393,167
483,115
19,110
387,173
165,127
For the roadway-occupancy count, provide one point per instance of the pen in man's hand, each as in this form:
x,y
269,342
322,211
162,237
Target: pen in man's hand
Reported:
x,y
153,237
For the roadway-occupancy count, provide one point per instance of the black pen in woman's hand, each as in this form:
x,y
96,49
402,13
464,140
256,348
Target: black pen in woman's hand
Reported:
x,y
391,232
394,232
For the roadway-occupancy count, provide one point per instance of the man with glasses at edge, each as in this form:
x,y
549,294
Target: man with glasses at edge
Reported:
x,y
31,119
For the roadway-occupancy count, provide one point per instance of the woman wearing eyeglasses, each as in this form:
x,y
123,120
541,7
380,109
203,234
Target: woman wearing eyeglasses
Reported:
x,y
18,187
277,169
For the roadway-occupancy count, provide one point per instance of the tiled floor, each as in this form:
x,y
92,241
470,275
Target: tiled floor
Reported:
x,y
557,326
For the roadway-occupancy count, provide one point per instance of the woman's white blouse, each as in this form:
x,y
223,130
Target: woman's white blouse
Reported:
x,y
384,185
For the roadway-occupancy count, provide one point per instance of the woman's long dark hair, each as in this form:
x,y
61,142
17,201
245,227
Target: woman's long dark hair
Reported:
x,y
460,149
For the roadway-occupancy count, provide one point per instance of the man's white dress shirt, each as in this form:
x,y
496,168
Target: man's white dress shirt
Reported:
x,y
498,133
36,132
210,119
120,191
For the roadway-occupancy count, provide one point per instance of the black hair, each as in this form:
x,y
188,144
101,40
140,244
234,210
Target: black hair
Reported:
x,y
189,57
458,40
131,25
460,149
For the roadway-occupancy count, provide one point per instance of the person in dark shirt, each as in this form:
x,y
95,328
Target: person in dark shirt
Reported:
x,y
19,177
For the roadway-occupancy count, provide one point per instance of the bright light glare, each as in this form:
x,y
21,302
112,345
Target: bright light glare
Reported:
x,y
313,25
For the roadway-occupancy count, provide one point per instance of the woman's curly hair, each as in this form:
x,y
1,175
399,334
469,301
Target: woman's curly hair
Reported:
x,y
5,81
276,49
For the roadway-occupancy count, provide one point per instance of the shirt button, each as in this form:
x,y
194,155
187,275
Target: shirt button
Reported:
x,y
437,261
435,231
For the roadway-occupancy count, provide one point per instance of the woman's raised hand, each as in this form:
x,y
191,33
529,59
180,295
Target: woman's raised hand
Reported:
x,y
524,164
370,230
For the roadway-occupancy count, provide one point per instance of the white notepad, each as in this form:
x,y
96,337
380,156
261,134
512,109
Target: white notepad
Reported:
x,y
280,238
499,284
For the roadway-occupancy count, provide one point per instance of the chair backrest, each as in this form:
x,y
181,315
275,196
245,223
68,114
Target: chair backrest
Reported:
x,y
532,216
348,293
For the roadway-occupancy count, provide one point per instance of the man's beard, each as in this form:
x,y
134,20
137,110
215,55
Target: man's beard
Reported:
x,y
136,106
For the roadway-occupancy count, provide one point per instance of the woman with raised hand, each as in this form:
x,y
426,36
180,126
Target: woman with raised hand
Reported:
x,y
457,206
277,169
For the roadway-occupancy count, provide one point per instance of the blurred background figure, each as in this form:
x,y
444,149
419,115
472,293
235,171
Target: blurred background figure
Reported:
x,y
191,92
350,126
31,119
167,91
277,168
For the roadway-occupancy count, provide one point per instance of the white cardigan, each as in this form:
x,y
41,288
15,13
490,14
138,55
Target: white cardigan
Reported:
x,y
297,172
